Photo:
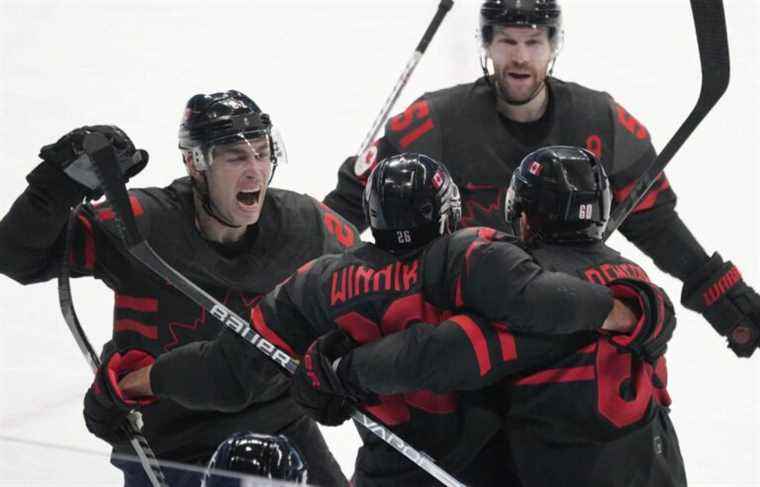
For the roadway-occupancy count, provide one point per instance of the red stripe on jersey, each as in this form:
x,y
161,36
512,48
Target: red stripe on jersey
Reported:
x,y
486,233
416,134
148,305
622,193
260,325
148,331
458,301
570,374
477,340
361,328
588,349
506,342
651,197
89,243
432,403
474,245
392,410
108,213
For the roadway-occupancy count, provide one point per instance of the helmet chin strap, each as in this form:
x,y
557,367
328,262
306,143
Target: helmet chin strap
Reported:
x,y
208,205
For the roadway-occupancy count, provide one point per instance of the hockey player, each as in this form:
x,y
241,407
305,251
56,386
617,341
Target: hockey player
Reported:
x,y
255,455
411,274
597,417
222,226
482,130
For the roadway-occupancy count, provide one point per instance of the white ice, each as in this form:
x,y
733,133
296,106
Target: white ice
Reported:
x,y
322,70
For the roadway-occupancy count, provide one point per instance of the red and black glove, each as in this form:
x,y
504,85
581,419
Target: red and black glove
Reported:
x,y
105,406
656,319
719,293
321,385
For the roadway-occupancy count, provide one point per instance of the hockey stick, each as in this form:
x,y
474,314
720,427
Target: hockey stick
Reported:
x,y
139,443
103,157
443,9
710,24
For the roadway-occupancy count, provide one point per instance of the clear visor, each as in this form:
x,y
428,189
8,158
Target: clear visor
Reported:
x,y
264,147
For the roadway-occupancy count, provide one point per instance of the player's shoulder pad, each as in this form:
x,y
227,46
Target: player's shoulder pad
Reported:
x,y
301,217
464,241
419,128
573,98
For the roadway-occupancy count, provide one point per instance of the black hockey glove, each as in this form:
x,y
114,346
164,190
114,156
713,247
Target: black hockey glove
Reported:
x,y
105,407
719,293
321,386
656,319
68,155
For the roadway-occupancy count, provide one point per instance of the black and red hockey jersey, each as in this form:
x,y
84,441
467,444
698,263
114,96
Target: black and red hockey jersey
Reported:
x,y
562,416
148,312
461,127
370,294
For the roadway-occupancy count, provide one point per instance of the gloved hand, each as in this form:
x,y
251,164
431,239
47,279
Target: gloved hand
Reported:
x,y
656,319
105,406
321,385
719,293
68,155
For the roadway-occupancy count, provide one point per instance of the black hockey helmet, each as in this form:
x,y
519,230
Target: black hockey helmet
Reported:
x,y
223,118
409,200
565,193
526,13
267,456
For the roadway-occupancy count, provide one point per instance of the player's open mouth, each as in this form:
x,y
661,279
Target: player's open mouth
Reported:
x,y
518,76
248,198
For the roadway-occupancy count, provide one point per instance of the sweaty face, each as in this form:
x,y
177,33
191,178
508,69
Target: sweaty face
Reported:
x,y
521,57
238,179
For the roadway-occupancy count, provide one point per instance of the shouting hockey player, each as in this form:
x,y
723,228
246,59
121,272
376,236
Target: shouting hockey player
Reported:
x,y
482,130
222,226
597,417
416,271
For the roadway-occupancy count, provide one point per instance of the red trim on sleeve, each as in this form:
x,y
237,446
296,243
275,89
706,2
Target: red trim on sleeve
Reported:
x,y
108,214
477,340
486,233
361,328
506,342
648,201
259,324
570,374
392,410
588,349
148,331
474,245
147,305
650,198
432,403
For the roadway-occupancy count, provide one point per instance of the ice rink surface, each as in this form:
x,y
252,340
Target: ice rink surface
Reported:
x,y
322,70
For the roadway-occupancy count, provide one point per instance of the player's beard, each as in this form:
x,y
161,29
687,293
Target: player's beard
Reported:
x,y
516,92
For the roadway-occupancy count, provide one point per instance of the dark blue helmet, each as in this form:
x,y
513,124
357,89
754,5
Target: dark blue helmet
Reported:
x,y
270,457
409,200
564,192
526,13
224,118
